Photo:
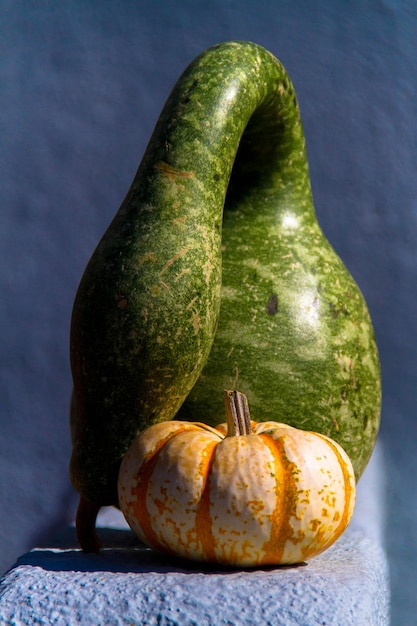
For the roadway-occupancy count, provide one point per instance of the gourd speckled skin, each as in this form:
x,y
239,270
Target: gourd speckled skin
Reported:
x,y
243,494
294,332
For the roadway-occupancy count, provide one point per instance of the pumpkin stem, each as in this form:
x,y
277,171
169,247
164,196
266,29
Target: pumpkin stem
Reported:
x,y
237,413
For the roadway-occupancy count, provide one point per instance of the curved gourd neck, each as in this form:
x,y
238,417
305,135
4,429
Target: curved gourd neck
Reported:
x,y
232,125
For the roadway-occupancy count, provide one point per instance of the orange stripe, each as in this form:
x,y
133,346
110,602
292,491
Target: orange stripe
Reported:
x,y
286,501
349,492
203,522
142,482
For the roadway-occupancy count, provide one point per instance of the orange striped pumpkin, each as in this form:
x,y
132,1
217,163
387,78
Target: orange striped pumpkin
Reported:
x,y
242,494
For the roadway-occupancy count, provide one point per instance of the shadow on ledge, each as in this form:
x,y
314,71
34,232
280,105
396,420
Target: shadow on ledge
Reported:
x,y
123,552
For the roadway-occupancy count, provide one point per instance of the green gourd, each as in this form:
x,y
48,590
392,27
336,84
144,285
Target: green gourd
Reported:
x,y
214,274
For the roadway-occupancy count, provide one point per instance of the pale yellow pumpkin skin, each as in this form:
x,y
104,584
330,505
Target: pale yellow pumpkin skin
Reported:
x,y
277,496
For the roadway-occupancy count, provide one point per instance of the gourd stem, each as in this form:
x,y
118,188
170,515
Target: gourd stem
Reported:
x,y
85,524
237,414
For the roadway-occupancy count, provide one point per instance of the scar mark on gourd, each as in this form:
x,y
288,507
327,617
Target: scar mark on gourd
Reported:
x,y
191,304
186,270
196,322
172,260
171,172
179,220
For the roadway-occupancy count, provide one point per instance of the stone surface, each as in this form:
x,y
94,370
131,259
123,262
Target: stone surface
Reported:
x,y
127,583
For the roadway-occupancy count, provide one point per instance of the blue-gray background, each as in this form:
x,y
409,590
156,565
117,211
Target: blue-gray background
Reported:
x,y
81,86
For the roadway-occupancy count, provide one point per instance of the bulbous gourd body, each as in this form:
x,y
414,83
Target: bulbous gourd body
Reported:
x,y
225,175
294,331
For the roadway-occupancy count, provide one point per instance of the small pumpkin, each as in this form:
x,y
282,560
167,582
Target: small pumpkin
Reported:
x,y
242,494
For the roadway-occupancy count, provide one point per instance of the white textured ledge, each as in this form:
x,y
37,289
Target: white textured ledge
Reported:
x,y
129,584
